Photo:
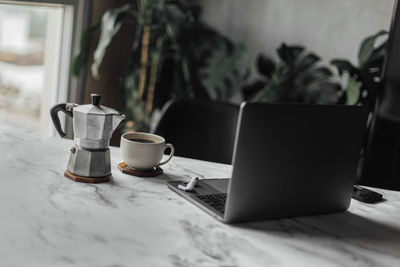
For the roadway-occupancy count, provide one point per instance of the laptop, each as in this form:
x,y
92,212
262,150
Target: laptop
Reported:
x,y
289,160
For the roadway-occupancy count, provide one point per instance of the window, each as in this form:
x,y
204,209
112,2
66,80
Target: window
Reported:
x,y
38,40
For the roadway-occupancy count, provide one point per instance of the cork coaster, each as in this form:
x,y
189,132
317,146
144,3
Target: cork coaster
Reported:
x,y
141,173
92,180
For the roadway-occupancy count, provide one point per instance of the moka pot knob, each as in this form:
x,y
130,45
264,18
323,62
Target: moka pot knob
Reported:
x,y
95,99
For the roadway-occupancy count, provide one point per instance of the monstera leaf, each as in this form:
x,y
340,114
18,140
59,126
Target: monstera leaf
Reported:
x,y
224,71
344,66
364,79
289,54
298,78
265,66
110,25
352,91
82,57
367,49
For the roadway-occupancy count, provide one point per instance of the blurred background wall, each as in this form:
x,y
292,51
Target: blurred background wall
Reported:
x,y
331,29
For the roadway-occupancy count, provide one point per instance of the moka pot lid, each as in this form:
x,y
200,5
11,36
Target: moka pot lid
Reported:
x,y
95,108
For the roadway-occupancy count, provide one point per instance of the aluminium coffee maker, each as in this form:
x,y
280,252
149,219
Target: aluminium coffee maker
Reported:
x,y
93,127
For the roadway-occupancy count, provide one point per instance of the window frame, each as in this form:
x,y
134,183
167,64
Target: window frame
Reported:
x,y
69,88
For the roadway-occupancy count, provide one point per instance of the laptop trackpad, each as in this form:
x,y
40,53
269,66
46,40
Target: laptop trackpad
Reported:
x,y
219,184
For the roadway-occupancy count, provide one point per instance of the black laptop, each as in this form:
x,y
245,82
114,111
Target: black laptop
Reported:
x,y
289,160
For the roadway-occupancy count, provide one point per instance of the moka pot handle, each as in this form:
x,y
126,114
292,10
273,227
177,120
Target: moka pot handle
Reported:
x,y
67,109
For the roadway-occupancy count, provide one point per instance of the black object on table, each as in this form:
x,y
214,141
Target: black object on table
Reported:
x,y
365,195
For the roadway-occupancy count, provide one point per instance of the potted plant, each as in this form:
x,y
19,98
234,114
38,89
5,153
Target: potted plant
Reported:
x,y
173,55
298,77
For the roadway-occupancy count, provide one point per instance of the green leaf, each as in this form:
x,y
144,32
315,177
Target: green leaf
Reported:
x,y
265,65
82,57
373,66
250,90
315,74
367,47
328,92
352,91
288,53
299,78
343,66
110,25
224,72
306,61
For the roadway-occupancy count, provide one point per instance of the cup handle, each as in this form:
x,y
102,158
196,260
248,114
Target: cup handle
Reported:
x,y
170,155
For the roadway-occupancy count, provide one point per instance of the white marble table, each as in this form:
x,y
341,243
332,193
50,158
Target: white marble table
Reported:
x,y
48,220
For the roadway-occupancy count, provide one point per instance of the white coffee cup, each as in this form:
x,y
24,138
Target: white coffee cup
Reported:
x,y
143,151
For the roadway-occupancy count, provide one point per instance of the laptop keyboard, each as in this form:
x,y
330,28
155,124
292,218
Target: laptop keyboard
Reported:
x,y
217,201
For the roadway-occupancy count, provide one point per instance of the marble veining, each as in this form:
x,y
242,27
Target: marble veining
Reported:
x,y
48,220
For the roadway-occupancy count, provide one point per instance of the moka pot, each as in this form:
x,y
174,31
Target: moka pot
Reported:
x,y
93,126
